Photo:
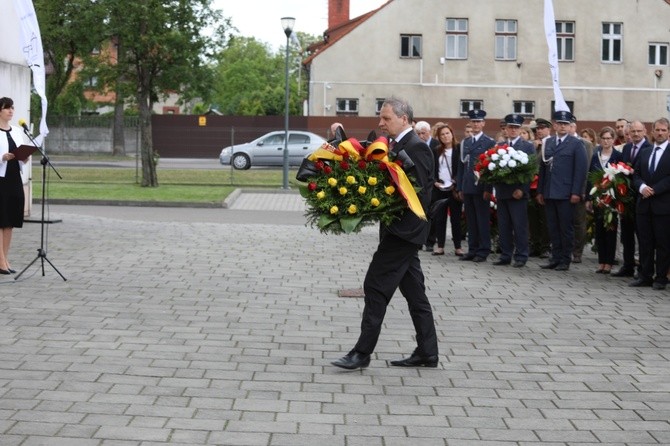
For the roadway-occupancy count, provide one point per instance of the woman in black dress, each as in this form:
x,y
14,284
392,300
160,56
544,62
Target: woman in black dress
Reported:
x,y
12,199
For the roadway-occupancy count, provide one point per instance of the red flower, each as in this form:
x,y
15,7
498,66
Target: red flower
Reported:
x,y
620,208
607,199
362,164
486,163
344,165
398,162
605,183
383,166
327,170
482,156
319,165
622,189
311,186
345,155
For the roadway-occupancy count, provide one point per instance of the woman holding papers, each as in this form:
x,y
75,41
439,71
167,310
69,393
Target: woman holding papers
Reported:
x,y
12,199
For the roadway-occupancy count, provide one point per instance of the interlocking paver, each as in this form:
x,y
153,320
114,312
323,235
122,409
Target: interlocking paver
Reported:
x,y
217,327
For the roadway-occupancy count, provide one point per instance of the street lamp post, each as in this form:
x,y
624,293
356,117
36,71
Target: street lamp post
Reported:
x,y
286,23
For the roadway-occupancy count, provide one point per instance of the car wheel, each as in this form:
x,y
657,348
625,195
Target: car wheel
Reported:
x,y
241,161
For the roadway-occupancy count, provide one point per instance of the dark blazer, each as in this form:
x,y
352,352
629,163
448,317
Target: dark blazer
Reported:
x,y
595,165
566,174
659,203
468,159
455,163
433,143
503,190
410,227
628,149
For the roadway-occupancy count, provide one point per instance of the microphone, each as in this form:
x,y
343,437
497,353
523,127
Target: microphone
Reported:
x,y
22,123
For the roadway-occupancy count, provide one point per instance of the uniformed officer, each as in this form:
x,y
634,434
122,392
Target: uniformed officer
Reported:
x,y
476,197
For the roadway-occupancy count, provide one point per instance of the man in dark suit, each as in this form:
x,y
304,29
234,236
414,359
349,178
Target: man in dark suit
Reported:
x,y
561,185
476,197
630,153
513,203
652,180
396,263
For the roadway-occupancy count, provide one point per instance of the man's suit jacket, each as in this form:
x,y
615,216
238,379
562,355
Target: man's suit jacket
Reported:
x,y
410,227
627,151
565,175
469,156
433,143
659,203
505,191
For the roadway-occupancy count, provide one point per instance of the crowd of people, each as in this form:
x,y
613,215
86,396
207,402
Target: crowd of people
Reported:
x,y
553,215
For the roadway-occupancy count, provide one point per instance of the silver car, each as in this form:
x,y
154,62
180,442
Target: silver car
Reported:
x,y
268,150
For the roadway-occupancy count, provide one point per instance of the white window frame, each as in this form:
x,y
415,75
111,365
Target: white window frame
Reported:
x,y
456,39
525,108
471,104
609,41
658,54
565,39
505,39
413,41
348,109
378,105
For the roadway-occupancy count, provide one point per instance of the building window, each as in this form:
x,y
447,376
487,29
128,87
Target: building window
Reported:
x,y
91,82
347,106
565,40
505,40
378,105
470,104
526,108
410,46
658,54
570,104
612,38
457,39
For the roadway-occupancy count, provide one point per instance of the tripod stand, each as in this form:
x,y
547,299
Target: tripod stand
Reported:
x,y
41,251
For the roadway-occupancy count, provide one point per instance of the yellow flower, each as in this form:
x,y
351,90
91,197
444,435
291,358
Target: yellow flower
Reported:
x,y
372,181
343,191
351,179
332,181
389,190
334,210
352,209
374,202
362,189
320,195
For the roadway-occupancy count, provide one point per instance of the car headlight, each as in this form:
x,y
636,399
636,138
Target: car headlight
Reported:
x,y
227,151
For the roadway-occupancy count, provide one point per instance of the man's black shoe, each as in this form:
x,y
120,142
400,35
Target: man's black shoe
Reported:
x,y
353,361
519,264
624,272
641,283
562,267
550,265
467,257
658,286
479,259
500,262
416,361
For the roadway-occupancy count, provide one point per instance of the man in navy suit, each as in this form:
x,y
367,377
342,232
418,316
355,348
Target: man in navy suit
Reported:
x,y
630,153
652,180
513,203
476,197
561,184
396,262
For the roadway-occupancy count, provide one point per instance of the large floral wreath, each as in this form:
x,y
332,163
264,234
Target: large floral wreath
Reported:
x,y
505,164
351,186
611,191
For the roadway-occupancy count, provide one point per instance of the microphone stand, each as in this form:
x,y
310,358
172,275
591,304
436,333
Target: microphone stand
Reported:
x,y
41,251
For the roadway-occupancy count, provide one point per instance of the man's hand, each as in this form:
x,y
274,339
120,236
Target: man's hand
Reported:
x,y
574,199
517,194
647,191
540,199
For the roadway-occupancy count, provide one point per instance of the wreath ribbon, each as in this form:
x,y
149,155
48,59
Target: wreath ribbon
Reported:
x,y
378,151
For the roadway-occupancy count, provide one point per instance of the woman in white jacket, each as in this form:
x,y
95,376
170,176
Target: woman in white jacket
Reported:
x,y
12,198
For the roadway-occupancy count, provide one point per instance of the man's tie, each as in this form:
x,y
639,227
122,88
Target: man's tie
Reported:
x,y
633,154
652,163
391,145
558,141
509,142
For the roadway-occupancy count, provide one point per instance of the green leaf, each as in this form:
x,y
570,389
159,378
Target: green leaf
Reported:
x,y
325,220
304,192
349,224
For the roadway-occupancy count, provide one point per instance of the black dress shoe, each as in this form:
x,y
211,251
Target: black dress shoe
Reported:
x,y
479,259
12,271
416,361
658,286
501,262
562,267
519,264
467,257
4,271
641,283
352,361
550,265
624,272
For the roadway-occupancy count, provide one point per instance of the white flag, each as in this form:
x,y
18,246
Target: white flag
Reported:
x,y
550,31
31,41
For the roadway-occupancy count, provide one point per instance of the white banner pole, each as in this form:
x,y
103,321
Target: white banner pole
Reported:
x,y
550,31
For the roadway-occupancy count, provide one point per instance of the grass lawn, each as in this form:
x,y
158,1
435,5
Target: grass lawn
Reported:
x,y
175,185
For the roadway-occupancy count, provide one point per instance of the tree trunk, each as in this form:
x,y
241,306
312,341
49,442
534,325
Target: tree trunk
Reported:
x,y
149,177
118,138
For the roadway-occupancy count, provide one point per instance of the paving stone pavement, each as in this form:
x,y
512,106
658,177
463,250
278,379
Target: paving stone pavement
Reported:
x,y
217,327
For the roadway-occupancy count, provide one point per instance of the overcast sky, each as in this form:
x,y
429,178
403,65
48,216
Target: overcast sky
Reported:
x,y
261,18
